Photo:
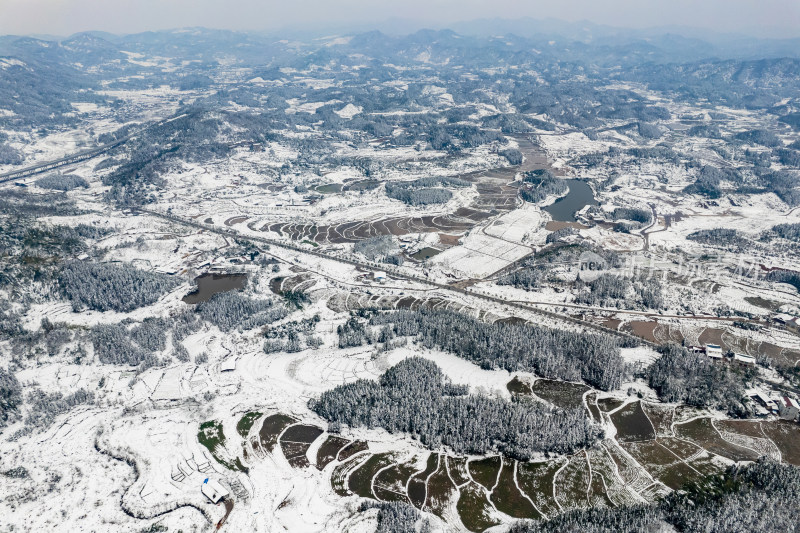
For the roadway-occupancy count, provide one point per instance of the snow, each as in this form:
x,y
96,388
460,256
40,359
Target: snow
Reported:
x,y
640,354
337,41
7,62
307,107
152,417
523,225
479,255
349,111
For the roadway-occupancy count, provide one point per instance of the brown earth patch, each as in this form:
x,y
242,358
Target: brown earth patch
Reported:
x,y
555,225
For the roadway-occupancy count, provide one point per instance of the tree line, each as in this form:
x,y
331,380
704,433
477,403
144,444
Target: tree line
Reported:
x,y
550,353
414,397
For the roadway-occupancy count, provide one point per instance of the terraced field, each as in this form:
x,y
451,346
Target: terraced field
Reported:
x,y
726,337
560,393
496,193
657,449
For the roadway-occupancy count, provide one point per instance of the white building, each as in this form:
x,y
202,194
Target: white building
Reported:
x,y
742,359
213,490
379,276
714,351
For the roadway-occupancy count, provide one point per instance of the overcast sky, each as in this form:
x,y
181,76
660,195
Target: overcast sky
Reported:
x,y
779,18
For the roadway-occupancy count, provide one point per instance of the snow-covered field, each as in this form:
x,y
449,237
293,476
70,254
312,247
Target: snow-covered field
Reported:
x,y
132,456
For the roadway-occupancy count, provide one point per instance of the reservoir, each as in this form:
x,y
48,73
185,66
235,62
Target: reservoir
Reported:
x,y
579,196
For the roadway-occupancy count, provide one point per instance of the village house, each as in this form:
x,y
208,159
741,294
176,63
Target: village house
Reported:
x,y
744,360
714,351
213,490
784,321
789,408
764,404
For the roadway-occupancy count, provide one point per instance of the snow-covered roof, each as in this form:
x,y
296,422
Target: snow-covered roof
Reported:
x,y
763,398
713,350
228,364
213,490
747,359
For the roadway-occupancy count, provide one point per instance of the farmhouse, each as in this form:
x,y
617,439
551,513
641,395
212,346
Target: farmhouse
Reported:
x,y
765,404
714,351
744,360
789,408
791,402
213,490
784,321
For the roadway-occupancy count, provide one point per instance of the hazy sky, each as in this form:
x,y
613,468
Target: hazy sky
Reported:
x,y
778,18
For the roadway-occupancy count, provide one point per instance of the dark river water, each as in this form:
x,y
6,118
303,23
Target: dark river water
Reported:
x,y
210,284
579,196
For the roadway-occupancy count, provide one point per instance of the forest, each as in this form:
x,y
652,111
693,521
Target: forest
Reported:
x,y
113,345
539,184
635,214
538,268
789,232
682,376
789,277
609,290
397,517
379,248
549,353
293,336
414,397
424,191
9,155
59,182
10,396
727,238
34,250
112,287
233,310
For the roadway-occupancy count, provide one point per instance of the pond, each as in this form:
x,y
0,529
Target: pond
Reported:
x,y
425,253
210,284
580,195
362,185
329,188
